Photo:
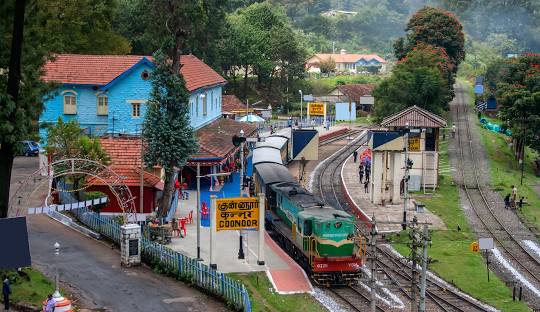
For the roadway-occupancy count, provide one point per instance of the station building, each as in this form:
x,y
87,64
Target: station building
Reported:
x,y
388,154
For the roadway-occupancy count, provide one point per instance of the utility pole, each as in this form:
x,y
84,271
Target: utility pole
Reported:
x,y
406,178
425,239
141,177
199,212
372,281
414,236
241,254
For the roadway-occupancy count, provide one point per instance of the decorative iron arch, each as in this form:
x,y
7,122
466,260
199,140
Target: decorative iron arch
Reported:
x,y
69,167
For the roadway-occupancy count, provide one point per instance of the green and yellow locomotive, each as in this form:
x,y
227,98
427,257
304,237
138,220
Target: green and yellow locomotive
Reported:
x,y
321,239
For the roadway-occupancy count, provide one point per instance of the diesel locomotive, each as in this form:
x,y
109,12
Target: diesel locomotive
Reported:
x,y
321,239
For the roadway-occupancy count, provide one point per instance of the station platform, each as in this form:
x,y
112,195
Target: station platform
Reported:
x,y
388,213
285,274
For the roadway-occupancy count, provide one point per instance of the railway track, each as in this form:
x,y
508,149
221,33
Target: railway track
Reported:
x,y
438,296
354,298
329,188
506,241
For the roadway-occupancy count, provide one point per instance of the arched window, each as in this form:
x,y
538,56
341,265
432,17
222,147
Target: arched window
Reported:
x,y
102,105
70,103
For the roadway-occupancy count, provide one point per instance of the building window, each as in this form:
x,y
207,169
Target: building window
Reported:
x,y
70,103
102,104
135,110
192,109
204,104
197,108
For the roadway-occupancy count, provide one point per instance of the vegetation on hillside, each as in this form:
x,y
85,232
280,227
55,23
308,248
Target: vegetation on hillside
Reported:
x,y
429,56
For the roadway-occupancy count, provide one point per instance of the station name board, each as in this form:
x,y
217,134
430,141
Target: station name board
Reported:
x,y
237,213
316,109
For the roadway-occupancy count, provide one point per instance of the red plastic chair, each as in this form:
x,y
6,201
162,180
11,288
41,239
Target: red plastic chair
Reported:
x,y
182,225
190,217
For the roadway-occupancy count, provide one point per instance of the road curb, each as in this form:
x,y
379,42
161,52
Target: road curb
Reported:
x,y
67,221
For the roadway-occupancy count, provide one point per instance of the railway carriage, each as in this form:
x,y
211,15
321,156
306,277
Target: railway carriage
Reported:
x,y
320,238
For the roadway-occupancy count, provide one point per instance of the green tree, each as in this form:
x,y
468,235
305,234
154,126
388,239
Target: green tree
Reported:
x,y
518,93
261,41
65,140
167,132
81,26
327,66
435,27
416,80
22,53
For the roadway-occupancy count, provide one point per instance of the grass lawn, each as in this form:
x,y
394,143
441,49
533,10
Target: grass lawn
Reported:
x,y
450,254
32,290
263,297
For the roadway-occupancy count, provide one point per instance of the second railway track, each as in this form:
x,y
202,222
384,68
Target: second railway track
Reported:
x,y
491,224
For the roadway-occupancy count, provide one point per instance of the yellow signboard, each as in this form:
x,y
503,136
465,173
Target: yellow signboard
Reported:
x,y
237,213
474,247
316,109
414,144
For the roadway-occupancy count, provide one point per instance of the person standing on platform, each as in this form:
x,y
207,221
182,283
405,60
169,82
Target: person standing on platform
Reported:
x,y
355,155
366,186
6,291
507,201
361,173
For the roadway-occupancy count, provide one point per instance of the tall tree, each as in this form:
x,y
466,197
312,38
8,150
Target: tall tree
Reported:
x,y
9,102
167,132
416,80
435,27
518,93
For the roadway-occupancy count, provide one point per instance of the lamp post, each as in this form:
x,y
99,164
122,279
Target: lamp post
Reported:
x,y
301,104
241,248
199,176
56,278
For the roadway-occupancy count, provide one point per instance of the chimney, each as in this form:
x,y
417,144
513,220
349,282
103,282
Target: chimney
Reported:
x,y
343,51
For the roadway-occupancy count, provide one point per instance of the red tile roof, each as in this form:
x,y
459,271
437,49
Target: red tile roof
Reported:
x,y
102,69
231,103
125,154
415,117
356,90
215,139
346,58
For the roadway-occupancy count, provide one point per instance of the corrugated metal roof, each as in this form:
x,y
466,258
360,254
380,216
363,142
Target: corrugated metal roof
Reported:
x,y
415,117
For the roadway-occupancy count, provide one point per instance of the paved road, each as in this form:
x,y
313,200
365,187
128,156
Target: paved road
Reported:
x,y
91,269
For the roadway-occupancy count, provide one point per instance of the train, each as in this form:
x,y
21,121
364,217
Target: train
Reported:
x,y
321,239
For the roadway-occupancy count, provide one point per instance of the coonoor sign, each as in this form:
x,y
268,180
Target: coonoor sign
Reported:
x,y
237,213
316,109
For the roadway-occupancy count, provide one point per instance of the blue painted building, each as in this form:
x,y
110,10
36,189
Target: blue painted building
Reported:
x,y
108,94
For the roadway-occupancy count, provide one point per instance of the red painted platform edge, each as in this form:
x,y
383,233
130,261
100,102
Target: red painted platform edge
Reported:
x,y
360,214
293,266
330,135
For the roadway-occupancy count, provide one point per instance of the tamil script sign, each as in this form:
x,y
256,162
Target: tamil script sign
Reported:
x,y
237,213
316,109
414,144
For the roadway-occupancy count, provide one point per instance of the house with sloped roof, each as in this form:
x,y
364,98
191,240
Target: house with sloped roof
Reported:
x,y
347,62
107,94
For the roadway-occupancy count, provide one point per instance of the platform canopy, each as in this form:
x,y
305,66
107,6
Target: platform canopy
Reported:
x,y
414,117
